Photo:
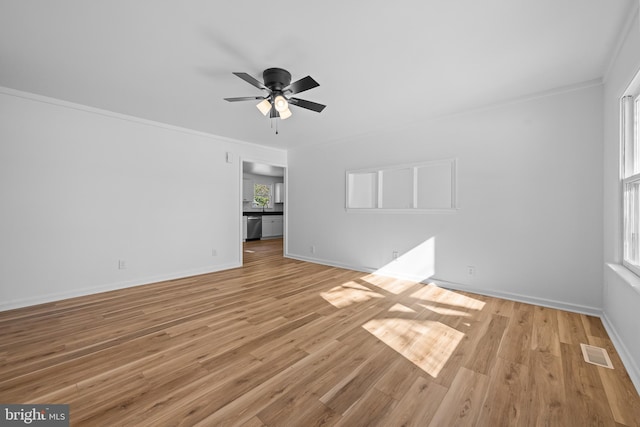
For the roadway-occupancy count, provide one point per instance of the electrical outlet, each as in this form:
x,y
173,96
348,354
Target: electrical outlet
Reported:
x,y
313,249
471,270
214,252
394,255
122,264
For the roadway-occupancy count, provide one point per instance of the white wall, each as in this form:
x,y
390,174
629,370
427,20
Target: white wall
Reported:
x,y
81,189
529,192
621,305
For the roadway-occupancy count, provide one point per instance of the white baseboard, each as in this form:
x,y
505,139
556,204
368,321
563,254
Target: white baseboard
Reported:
x,y
628,362
57,296
544,302
326,262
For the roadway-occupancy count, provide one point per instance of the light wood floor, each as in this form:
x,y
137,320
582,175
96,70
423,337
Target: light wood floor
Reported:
x,y
281,342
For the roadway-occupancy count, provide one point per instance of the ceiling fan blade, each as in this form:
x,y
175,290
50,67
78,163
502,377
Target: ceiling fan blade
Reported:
x,y
301,85
314,106
244,98
251,80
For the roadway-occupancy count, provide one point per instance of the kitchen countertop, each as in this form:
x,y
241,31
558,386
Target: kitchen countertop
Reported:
x,y
262,213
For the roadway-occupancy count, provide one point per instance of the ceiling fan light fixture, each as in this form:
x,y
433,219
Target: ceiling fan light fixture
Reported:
x,y
264,106
278,87
281,104
285,114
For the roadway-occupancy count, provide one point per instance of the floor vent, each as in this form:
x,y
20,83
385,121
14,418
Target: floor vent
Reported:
x,y
596,355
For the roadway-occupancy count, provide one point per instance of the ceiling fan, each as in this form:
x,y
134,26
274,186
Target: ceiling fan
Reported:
x,y
277,84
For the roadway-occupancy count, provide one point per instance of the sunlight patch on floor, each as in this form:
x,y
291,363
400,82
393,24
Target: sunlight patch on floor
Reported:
x,y
349,293
392,285
445,311
432,293
425,343
399,308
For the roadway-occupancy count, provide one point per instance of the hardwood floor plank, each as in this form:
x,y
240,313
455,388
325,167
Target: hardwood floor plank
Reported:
x,y
621,395
593,326
496,306
545,336
314,414
108,405
398,378
320,376
488,345
347,392
370,410
274,398
253,422
281,342
517,339
586,399
200,408
547,401
463,401
570,328
418,405
507,397
180,389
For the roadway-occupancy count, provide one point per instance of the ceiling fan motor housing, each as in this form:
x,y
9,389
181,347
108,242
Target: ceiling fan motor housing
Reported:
x,y
276,79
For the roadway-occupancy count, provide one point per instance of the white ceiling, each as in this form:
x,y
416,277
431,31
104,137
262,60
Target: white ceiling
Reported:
x,y
379,63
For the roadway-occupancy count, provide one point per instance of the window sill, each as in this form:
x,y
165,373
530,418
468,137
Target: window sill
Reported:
x,y
627,275
402,211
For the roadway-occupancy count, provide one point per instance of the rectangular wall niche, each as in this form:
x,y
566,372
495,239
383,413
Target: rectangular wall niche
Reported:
x,y
427,187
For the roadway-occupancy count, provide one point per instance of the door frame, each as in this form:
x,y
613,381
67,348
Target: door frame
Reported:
x,y
285,239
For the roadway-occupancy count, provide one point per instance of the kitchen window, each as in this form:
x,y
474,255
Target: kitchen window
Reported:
x,y
630,116
262,195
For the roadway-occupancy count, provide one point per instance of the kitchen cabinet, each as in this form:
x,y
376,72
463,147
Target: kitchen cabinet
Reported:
x,y
279,192
272,225
267,227
247,190
278,225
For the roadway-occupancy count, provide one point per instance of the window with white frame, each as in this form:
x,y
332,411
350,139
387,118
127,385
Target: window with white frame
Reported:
x,y
630,115
417,187
262,195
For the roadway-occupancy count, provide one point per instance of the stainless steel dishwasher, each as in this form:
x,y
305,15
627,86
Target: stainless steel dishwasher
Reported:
x,y
254,227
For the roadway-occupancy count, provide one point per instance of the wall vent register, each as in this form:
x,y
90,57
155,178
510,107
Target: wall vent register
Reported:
x,y
596,356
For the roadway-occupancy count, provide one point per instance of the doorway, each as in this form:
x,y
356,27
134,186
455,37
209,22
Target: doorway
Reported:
x,y
263,206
